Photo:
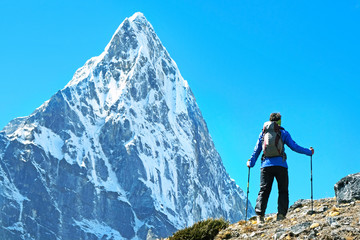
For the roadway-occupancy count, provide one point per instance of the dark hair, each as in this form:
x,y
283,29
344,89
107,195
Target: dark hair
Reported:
x,y
274,117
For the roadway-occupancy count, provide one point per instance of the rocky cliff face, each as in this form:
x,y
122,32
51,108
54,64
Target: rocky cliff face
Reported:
x,y
122,152
348,188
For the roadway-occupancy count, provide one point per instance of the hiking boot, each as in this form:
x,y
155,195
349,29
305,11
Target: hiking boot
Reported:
x,y
280,217
260,219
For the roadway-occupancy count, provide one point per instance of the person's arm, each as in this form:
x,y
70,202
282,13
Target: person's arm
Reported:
x,y
294,146
256,153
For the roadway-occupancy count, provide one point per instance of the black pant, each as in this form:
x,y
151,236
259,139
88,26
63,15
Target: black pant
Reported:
x,y
266,181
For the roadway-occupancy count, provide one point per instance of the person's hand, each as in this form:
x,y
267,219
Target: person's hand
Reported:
x,y
312,150
248,163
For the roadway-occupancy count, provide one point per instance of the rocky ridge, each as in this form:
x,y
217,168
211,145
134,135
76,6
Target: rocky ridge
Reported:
x,y
330,221
331,218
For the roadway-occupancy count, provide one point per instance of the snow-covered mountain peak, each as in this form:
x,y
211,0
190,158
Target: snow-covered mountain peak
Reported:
x,y
121,151
138,16
134,34
136,62
135,40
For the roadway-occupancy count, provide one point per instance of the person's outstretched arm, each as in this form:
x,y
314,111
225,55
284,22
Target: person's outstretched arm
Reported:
x,y
294,146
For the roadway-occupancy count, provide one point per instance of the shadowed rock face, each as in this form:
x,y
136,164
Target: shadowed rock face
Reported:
x,y
348,188
122,152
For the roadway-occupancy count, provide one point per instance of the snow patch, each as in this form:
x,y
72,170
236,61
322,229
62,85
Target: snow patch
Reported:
x,y
99,229
49,141
9,190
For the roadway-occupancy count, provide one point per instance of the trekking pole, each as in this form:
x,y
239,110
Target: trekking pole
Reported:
x,y
311,179
247,195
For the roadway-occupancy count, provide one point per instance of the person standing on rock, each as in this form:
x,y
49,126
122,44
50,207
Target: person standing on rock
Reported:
x,y
273,165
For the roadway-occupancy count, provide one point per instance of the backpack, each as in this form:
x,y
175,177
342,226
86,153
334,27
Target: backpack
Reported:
x,y
272,144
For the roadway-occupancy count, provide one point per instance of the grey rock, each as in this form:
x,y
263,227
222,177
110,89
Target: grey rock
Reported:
x,y
276,236
299,204
348,188
280,233
299,228
321,209
332,221
312,235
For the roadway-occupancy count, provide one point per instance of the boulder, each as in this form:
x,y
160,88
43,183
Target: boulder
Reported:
x,y
348,188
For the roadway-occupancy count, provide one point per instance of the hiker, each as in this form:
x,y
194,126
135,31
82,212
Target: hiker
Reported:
x,y
273,164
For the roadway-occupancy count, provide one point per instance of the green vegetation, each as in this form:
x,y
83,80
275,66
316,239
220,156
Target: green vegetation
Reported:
x,y
203,230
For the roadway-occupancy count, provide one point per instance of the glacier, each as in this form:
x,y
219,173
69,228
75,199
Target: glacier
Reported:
x,y
121,152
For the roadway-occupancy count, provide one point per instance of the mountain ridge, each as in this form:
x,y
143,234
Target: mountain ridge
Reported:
x,y
327,218
330,220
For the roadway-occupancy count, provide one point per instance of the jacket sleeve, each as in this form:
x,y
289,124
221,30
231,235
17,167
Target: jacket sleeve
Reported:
x,y
293,145
257,150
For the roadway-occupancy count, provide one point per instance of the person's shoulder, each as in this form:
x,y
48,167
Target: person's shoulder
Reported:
x,y
283,131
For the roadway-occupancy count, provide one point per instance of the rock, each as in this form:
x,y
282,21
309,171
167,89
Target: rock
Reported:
x,y
335,225
244,236
314,225
299,204
299,228
278,235
333,214
331,220
312,235
348,188
322,209
335,233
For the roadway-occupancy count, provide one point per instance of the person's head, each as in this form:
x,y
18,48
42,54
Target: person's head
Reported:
x,y
276,117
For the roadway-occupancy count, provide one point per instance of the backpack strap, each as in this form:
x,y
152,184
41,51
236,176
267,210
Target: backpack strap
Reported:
x,y
283,154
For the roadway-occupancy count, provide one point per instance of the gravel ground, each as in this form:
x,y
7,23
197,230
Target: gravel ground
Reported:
x,y
330,221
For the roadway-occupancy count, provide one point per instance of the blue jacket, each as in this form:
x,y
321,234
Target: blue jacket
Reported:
x,y
277,161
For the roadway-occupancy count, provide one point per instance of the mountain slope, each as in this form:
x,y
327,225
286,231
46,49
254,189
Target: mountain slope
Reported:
x,y
330,221
121,152
328,218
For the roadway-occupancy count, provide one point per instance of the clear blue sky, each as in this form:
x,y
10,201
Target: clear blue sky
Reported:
x,y
242,59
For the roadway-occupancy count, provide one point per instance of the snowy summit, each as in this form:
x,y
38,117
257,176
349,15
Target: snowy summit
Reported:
x,y
122,152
